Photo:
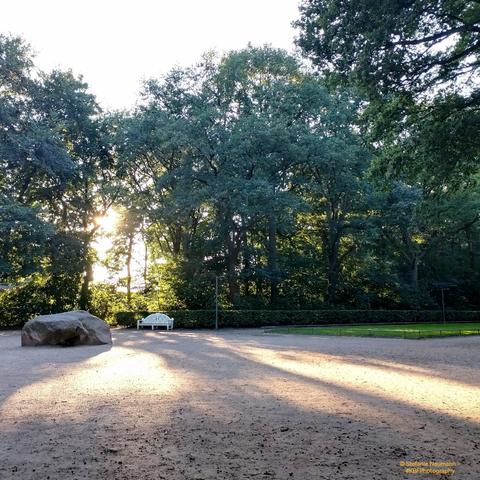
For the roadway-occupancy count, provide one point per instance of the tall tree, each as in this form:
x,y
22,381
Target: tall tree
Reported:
x,y
417,64
93,188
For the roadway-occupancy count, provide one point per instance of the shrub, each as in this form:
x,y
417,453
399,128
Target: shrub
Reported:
x,y
20,304
261,318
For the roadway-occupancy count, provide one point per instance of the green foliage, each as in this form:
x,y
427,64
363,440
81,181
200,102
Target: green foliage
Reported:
x,y
392,45
34,297
20,304
417,65
261,318
23,238
283,184
107,301
247,143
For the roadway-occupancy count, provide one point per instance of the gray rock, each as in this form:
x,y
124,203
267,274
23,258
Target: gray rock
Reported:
x,y
66,329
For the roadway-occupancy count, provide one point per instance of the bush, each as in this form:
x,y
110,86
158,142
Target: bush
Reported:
x,y
261,318
20,304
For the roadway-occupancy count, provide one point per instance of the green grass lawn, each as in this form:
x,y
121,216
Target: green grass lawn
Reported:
x,y
413,330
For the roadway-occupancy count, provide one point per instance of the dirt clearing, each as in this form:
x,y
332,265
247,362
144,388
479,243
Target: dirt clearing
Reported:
x,y
239,405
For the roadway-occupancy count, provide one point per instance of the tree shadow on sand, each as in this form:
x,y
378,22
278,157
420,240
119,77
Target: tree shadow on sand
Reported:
x,y
229,411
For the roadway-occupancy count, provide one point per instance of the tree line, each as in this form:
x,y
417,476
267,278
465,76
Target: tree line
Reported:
x,y
349,181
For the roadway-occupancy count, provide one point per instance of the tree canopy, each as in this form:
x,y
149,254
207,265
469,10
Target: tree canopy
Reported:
x,y
417,64
279,180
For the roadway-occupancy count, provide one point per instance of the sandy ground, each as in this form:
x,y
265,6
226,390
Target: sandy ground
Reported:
x,y
239,405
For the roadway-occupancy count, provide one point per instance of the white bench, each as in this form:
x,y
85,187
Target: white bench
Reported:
x,y
156,320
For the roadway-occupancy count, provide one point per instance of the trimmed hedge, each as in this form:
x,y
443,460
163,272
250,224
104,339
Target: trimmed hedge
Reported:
x,y
263,318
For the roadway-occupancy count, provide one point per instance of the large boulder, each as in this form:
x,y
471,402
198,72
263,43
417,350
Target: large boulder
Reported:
x,y
66,329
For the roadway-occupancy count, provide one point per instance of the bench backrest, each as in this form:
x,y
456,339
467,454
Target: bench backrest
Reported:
x,y
158,319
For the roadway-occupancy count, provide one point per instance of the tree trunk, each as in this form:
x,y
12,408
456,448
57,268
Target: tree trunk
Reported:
x,y
333,268
272,259
88,272
414,271
471,249
145,254
224,217
246,265
145,263
129,269
85,289
259,287
231,270
177,236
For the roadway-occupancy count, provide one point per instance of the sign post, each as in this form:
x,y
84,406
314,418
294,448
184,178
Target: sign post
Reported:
x,y
444,287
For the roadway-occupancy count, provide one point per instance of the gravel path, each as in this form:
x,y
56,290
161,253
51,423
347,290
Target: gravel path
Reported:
x,y
239,405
